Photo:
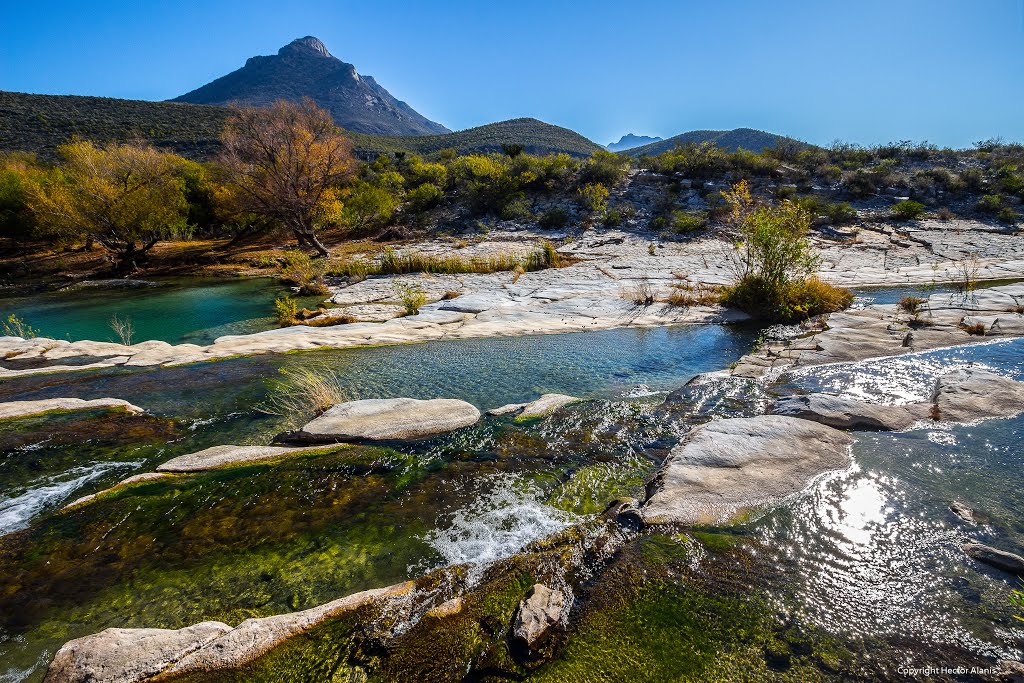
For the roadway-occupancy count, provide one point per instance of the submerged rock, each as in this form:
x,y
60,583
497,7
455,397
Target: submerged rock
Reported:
x,y
16,409
545,405
845,413
973,394
1000,559
388,419
540,610
962,510
728,467
216,457
126,655
134,479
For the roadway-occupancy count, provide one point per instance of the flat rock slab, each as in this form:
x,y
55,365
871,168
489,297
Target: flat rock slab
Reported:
x,y
389,419
846,413
545,405
972,394
127,655
217,457
727,468
15,409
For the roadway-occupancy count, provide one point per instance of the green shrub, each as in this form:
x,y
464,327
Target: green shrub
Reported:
x,y
412,297
990,203
593,197
1008,215
286,309
839,213
907,210
424,197
603,168
554,218
684,222
612,218
518,207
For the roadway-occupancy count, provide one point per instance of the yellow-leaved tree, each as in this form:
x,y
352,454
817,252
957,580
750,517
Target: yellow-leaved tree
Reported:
x,y
127,197
286,163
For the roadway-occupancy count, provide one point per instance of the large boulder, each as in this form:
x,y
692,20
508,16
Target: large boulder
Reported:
x,y
541,609
727,468
845,413
388,419
127,655
973,394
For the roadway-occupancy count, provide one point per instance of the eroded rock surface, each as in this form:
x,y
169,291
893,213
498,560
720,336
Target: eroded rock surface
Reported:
x,y
388,419
727,468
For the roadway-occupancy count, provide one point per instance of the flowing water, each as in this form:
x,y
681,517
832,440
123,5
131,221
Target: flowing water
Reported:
x,y
868,553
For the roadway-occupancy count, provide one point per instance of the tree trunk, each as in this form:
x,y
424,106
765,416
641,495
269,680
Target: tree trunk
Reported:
x,y
320,248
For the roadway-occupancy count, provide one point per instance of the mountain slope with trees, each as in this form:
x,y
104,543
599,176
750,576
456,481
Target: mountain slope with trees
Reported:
x,y
729,140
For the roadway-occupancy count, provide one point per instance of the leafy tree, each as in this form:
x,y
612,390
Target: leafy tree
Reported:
x,y
512,150
16,219
368,205
126,197
286,162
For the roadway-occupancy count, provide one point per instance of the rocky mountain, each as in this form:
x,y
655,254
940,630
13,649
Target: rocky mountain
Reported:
x,y
305,68
629,141
729,140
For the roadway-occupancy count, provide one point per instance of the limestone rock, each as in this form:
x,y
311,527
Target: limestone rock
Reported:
x,y
124,655
545,405
972,394
216,457
16,409
1000,559
127,655
845,413
728,467
538,612
387,419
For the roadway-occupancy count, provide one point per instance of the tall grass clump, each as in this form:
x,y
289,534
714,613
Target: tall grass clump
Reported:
x,y
394,263
304,393
774,263
124,328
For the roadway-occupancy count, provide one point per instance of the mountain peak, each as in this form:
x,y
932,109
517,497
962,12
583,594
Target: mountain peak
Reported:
x,y
629,141
304,68
309,44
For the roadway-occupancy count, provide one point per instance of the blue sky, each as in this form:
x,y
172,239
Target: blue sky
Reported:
x,y
947,71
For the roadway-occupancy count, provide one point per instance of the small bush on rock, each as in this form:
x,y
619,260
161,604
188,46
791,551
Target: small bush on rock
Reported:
x,y
907,210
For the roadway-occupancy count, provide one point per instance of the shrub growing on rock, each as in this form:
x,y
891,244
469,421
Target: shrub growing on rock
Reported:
x,y
593,197
287,310
554,218
774,263
907,210
305,273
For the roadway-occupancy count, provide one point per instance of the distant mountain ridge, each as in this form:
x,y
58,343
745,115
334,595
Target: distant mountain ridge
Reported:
x,y
305,68
730,140
629,141
39,123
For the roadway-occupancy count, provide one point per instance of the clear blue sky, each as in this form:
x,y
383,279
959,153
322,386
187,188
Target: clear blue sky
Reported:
x,y
947,71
